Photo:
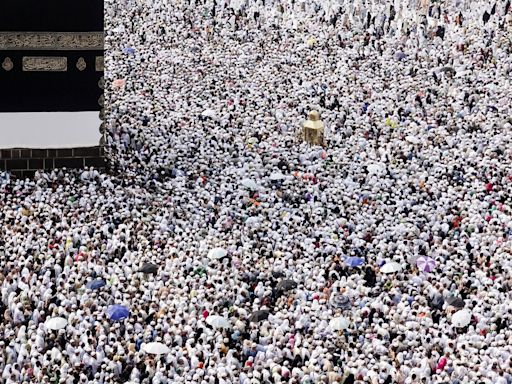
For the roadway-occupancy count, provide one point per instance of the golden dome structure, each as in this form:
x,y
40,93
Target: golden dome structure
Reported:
x,y
313,129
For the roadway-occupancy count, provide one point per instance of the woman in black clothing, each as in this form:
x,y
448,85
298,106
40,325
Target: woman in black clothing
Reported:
x,y
350,379
370,277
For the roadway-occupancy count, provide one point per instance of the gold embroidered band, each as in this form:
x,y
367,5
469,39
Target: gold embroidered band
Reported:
x,y
55,41
45,64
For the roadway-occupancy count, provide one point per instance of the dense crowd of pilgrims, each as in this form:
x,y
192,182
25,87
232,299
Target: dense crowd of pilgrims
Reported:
x,y
220,248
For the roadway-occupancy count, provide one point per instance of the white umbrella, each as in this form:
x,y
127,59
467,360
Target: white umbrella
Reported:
x,y
250,184
461,318
391,267
218,321
251,221
56,323
119,29
217,253
209,113
276,176
376,168
412,139
339,323
156,348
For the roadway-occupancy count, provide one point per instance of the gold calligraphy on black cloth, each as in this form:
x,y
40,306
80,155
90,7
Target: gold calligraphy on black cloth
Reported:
x,y
53,41
44,64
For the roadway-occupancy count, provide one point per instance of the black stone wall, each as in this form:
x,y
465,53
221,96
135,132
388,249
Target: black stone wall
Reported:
x,y
23,162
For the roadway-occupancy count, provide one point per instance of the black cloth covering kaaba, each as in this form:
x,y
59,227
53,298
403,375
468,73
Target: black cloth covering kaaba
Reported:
x,y
51,55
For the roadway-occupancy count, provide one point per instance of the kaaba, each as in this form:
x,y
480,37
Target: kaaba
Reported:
x,y
51,76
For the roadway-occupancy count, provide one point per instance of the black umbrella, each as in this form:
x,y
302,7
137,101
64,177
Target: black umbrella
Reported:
x,y
341,301
258,316
286,285
455,301
149,268
449,70
277,274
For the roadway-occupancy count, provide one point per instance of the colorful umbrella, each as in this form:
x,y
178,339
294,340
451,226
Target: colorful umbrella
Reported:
x,y
400,55
353,261
311,42
117,312
96,284
119,83
426,264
